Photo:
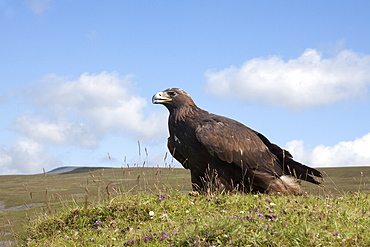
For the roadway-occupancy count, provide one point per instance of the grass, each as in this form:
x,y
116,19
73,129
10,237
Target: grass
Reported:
x,y
178,219
111,207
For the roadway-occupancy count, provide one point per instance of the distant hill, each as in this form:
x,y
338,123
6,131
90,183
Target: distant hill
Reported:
x,y
62,170
73,169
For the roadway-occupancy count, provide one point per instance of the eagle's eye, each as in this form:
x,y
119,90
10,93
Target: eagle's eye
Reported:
x,y
172,93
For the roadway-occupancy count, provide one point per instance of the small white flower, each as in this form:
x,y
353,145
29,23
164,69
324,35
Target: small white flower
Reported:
x,y
151,213
187,211
272,204
242,212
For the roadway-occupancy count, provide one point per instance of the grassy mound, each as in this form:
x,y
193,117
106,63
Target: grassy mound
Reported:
x,y
179,219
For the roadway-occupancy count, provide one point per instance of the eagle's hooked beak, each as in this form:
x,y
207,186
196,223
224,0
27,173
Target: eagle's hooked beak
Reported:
x,y
160,98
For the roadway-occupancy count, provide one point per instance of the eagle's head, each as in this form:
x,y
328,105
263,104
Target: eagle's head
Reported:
x,y
173,98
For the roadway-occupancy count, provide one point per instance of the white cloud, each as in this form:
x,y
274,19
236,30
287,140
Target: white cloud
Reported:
x,y
25,156
350,153
84,110
78,112
309,80
39,6
6,163
56,132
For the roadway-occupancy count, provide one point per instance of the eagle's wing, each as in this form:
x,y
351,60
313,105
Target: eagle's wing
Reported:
x,y
235,143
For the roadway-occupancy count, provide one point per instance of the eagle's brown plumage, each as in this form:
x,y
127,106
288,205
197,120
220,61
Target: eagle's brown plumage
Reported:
x,y
226,155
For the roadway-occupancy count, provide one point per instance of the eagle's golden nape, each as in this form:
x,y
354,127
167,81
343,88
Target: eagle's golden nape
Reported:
x,y
225,155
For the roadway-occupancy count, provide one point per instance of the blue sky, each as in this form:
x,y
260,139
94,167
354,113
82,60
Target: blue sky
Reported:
x,y
77,77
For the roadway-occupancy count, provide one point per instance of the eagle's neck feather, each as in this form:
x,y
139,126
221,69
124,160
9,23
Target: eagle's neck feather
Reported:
x,y
182,113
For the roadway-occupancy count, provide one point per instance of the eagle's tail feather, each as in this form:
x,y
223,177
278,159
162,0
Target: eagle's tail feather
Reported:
x,y
300,171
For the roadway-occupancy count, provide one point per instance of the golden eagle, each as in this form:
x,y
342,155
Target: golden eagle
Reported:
x,y
225,155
